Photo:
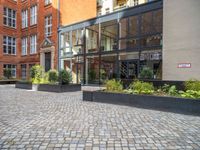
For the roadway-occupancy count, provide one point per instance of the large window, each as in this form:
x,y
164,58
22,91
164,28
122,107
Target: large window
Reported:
x,y
33,15
48,26
12,68
92,38
25,18
33,44
9,45
9,17
24,45
109,36
23,71
77,41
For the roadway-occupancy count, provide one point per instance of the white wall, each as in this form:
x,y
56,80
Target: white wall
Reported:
x,y
181,39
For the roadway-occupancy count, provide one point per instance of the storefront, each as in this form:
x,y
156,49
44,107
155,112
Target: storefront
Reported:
x,y
118,45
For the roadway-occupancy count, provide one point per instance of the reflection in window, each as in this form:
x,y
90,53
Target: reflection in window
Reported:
x,y
65,44
108,68
123,30
131,43
77,41
155,40
133,26
109,36
146,23
158,21
92,34
92,69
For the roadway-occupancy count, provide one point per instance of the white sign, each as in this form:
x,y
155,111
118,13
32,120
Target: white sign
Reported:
x,y
184,65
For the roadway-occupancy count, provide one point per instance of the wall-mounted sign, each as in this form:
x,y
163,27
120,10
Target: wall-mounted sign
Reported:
x,y
184,65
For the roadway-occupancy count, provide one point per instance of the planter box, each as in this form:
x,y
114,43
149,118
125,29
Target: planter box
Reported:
x,y
59,88
157,83
23,85
172,104
7,82
49,87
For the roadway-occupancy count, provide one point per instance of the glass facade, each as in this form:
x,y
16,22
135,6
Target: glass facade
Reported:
x,y
116,48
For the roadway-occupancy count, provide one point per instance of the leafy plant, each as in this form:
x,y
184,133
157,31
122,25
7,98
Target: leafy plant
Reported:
x,y
92,75
146,73
190,94
170,90
192,85
114,86
103,74
65,77
7,73
52,76
140,87
37,73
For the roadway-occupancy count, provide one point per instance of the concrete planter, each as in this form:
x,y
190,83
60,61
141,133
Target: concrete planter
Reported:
x,y
172,104
59,88
49,87
2,82
23,85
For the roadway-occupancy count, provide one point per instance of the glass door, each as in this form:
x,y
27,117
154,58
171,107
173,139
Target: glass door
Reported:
x,y
128,69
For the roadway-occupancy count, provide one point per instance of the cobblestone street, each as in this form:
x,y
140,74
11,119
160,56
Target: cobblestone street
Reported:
x,y
40,120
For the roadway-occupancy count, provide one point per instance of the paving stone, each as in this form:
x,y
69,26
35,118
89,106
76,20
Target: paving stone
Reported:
x,y
41,120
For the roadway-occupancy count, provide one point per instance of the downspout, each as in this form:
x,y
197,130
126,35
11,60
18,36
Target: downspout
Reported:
x,y
58,34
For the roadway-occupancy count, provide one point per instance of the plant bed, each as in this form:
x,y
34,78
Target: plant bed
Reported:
x,y
7,82
49,87
156,83
172,104
59,88
23,85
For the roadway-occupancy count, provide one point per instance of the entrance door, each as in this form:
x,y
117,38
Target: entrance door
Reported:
x,y
128,69
47,61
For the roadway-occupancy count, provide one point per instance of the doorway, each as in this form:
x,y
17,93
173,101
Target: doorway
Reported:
x,y
128,69
47,61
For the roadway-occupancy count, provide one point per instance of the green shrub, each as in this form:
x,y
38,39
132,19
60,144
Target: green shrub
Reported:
x,y
192,85
146,73
190,94
65,77
7,73
52,76
170,90
37,73
114,86
92,75
140,87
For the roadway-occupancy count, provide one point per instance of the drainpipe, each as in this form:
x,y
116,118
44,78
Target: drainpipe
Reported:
x,y
58,34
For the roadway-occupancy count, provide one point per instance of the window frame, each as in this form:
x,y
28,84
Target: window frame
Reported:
x,y
12,17
33,15
24,46
24,15
33,44
48,25
12,44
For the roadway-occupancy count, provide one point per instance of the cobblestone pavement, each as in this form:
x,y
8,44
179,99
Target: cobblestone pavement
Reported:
x,y
39,120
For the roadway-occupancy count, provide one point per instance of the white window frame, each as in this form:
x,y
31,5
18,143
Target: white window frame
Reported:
x,y
48,25
24,18
33,44
47,2
9,17
33,19
24,45
9,43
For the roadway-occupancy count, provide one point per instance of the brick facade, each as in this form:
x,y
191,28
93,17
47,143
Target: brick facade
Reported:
x,y
68,15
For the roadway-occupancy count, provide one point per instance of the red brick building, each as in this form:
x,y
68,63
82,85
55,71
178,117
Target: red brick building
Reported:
x,y
29,35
